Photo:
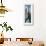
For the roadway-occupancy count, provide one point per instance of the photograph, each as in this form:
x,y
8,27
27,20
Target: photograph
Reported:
x,y
28,17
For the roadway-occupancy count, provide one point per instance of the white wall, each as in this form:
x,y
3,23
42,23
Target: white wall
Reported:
x,y
16,17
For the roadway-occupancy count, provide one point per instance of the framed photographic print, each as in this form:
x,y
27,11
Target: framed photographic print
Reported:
x,y
28,16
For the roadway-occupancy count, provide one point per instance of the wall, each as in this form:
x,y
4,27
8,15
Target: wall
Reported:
x,y
15,18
